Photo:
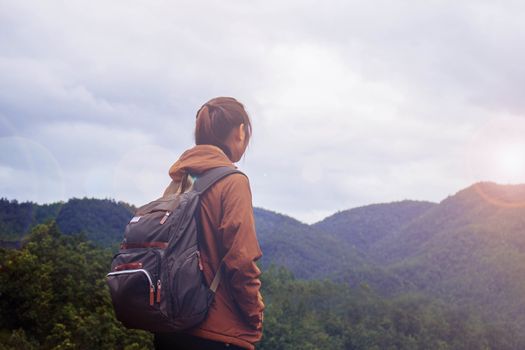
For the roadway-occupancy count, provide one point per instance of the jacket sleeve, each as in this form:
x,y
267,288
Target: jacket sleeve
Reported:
x,y
241,249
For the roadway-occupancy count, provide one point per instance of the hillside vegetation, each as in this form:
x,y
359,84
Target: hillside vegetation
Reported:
x,y
101,220
466,252
54,296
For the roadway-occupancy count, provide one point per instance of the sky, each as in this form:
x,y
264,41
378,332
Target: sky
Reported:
x,y
352,102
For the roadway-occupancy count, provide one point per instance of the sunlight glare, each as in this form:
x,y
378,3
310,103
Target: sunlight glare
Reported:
x,y
497,152
512,161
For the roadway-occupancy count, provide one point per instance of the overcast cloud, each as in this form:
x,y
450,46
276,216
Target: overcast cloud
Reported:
x,y
352,102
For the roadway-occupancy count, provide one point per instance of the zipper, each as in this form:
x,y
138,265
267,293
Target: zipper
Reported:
x,y
200,261
159,286
158,291
151,286
164,218
158,258
198,253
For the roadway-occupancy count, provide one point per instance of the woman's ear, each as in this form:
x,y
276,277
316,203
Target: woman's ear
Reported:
x,y
242,133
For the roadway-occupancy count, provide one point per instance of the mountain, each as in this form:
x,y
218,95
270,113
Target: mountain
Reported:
x,y
16,219
484,211
288,242
313,254
364,226
469,249
306,251
100,220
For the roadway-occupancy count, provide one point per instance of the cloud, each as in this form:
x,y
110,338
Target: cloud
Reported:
x,y
352,102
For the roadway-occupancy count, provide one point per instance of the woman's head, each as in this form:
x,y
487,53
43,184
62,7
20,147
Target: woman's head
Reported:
x,y
223,122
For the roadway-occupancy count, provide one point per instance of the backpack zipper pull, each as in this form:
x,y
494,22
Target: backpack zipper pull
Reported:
x,y
199,259
158,291
164,218
151,294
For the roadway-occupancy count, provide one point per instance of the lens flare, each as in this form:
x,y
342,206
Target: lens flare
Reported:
x,y
512,162
496,154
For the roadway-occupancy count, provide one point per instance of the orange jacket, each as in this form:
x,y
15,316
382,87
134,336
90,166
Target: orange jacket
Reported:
x,y
228,227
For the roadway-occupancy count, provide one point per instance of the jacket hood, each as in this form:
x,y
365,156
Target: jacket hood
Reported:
x,y
197,160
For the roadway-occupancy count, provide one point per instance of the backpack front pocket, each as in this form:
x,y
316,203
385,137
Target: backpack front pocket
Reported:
x,y
132,286
135,287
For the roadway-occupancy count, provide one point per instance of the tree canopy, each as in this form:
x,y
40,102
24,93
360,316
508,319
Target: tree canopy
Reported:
x,y
54,296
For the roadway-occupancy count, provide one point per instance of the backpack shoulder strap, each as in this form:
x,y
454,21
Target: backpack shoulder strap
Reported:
x,y
212,176
216,279
200,186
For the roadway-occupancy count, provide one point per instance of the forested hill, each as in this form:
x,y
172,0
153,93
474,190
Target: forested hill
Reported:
x,y
54,296
364,226
467,252
307,251
100,220
467,249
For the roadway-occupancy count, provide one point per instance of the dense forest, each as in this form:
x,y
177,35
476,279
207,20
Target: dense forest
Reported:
x,y
101,220
428,271
54,296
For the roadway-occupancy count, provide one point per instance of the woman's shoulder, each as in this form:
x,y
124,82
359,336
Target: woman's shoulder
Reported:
x,y
235,184
236,179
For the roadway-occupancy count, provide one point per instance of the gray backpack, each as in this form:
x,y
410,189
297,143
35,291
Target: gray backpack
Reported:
x,y
156,280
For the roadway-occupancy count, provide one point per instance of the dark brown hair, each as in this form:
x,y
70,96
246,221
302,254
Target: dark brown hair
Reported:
x,y
217,118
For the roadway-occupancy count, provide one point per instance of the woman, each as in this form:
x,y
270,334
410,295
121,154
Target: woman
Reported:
x,y
234,320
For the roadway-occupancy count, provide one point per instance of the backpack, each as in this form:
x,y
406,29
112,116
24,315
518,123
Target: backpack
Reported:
x,y
156,280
